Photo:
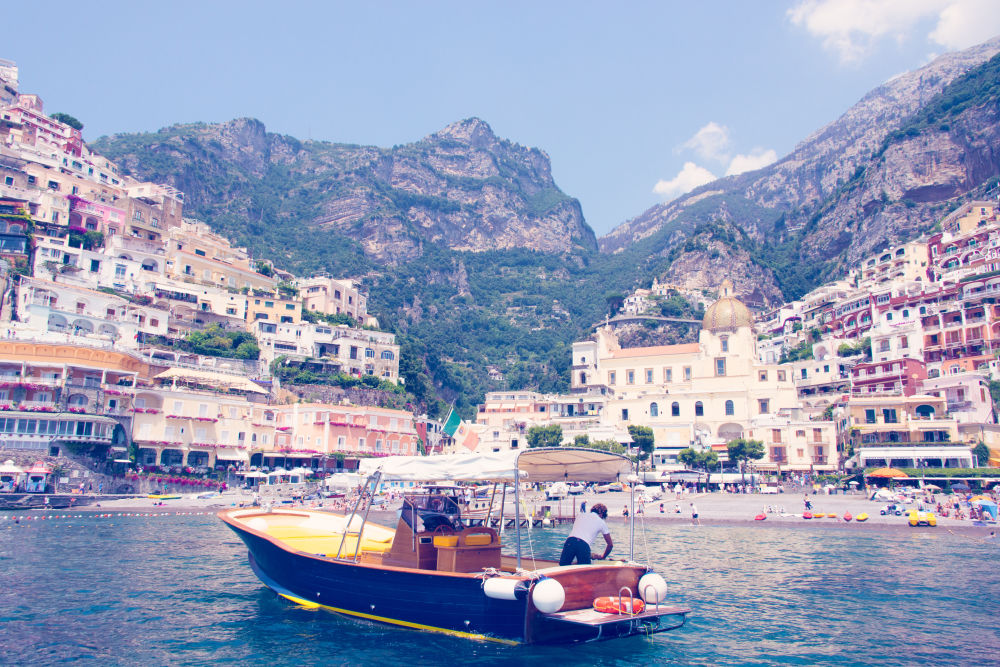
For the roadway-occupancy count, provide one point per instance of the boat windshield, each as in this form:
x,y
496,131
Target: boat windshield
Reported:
x,y
432,511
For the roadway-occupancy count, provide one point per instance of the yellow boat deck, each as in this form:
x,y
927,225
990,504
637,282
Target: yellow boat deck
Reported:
x,y
321,535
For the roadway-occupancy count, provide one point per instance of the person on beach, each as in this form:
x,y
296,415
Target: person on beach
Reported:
x,y
661,508
585,529
694,515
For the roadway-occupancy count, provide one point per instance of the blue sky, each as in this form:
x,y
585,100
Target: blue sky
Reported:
x,y
633,103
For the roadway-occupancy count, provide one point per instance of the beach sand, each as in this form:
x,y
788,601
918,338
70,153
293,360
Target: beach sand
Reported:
x,y
713,509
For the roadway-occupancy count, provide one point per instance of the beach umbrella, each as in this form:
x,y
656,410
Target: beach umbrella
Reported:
x,y
893,473
852,483
932,487
960,486
987,506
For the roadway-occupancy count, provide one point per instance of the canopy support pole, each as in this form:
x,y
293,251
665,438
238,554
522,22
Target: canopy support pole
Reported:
x,y
517,512
503,501
631,526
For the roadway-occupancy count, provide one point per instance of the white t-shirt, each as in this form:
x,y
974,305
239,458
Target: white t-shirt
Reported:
x,y
588,526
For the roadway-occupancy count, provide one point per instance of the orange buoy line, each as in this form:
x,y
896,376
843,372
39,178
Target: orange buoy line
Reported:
x,y
96,515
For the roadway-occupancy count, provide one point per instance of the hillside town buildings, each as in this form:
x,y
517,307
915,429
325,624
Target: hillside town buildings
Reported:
x,y
105,279
106,283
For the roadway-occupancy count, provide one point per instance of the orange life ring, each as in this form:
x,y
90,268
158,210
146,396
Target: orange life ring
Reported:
x,y
619,605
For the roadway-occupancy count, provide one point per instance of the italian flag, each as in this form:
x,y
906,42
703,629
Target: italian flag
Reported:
x,y
452,423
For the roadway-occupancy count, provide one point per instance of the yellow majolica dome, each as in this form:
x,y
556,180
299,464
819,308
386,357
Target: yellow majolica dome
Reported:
x,y
728,313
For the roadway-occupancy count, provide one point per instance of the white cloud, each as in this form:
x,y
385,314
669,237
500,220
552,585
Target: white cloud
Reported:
x,y
711,142
851,27
690,177
756,159
967,23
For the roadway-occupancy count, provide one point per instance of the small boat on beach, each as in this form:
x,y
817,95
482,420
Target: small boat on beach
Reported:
x,y
861,518
847,516
441,572
807,515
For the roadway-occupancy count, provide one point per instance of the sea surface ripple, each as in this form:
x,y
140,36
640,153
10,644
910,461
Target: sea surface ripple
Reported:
x,y
177,590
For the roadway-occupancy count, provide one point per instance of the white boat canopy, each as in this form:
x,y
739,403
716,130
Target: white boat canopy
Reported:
x,y
535,465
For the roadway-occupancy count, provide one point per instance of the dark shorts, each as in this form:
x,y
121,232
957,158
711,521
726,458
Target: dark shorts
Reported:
x,y
575,548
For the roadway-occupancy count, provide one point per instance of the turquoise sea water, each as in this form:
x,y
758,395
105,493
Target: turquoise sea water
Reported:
x,y
176,590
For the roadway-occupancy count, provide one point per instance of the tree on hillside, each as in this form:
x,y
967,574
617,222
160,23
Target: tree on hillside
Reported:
x,y
615,301
742,451
545,436
689,457
67,119
642,437
982,454
696,460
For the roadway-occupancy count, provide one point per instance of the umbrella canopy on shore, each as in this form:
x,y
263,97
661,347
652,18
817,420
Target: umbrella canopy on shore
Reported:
x,y
932,487
961,486
893,473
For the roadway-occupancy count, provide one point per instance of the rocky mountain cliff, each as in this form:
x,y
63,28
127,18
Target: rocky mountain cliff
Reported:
x,y
873,176
462,188
476,259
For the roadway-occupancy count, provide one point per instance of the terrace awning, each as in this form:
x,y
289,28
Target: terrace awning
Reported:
x,y
229,454
237,382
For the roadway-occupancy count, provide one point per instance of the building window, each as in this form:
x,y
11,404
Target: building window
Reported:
x,y
720,366
687,372
781,376
730,409
630,377
775,435
870,416
763,404
668,374
624,414
889,416
725,343
654,410
699,409
763,376
675,409
611,377
649,376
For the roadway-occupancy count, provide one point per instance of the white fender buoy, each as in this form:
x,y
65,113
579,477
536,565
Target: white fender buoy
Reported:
x,y
500,588
548,596
652,588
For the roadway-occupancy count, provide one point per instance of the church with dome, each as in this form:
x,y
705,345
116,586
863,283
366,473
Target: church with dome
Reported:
x,y
704,394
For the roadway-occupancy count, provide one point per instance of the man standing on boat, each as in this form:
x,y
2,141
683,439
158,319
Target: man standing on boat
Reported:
x,y
586,527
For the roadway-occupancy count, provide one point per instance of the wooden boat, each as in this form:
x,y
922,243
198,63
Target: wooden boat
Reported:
x,y
435,572
162,496
861,518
